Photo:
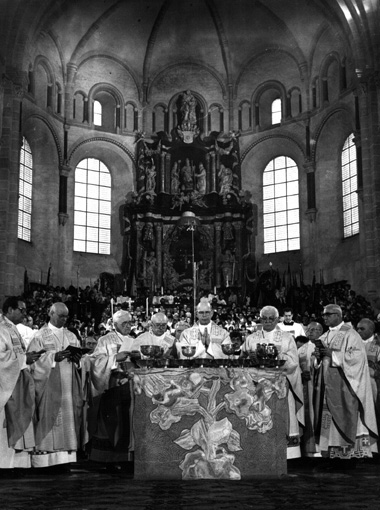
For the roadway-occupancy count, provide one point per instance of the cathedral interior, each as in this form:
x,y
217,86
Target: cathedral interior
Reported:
x,y
155,140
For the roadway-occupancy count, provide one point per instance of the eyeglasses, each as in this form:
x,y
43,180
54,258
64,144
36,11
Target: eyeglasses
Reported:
x,y
268,319
22,310
329,313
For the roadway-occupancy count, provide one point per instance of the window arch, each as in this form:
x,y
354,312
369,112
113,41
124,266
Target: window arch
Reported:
x,y
98,113
92,207
349,188
281,206
25,192
276,111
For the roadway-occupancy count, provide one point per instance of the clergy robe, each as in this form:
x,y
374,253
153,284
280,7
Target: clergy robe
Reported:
x,y
308,445
16,399
207,339
165,341
59,398
287,350
112,434
344,409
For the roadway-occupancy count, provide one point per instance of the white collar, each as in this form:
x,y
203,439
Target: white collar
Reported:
x,y
370,339
54,328
337,328
203,327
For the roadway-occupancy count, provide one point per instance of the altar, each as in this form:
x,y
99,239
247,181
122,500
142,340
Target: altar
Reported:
x,y
210,423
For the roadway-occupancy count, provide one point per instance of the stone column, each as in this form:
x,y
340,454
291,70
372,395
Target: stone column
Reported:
x,y
213,172
217,255
238,254
139,252
162,171
158,228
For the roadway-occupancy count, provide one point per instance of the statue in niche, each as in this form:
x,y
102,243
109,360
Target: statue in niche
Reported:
x,y
180,200
225,176
187,175
175,182
150,263
200,179
150,173
227,265
187,110
228,233
148,237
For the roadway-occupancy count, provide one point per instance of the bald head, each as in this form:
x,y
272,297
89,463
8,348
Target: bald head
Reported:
x,y
365,328
314,331
204,312
159,323
58,314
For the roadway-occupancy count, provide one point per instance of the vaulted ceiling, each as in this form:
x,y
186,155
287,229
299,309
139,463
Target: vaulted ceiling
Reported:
x,y
152,35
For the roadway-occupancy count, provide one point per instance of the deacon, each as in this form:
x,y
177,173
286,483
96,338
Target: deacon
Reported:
x,y
59,400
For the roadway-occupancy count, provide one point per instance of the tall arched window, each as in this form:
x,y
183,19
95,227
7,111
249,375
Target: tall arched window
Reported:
x,y
349,188
276,111
25,192
97,113
281,206
92,207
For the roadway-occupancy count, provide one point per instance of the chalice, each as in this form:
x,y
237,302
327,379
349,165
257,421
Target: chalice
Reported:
x,y
229,350
149,352
188,351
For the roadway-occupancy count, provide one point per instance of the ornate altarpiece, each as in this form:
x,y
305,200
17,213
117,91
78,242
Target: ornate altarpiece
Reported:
x,y
186,171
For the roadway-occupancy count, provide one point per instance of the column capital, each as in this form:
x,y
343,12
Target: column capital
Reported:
x,y
309,166
65,170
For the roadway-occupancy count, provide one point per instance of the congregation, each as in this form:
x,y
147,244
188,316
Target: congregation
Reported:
x,y
67,368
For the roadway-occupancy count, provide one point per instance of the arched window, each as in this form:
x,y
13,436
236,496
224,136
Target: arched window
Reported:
x,y
92,207
25,192
349,188
281,206
97,113
276,111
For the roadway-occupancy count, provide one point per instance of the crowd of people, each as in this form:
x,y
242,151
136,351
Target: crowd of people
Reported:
x,y
67,362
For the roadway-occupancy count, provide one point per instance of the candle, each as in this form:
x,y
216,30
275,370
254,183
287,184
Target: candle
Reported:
x,y
111,307
162,291
214,289
147,307
227,281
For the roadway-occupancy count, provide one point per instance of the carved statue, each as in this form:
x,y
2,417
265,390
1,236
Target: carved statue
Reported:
x,y
150,172
200,179
228,233
175,183
225,179
186,175
187,109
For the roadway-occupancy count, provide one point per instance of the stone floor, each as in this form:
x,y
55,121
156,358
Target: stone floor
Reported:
x,y
309,485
